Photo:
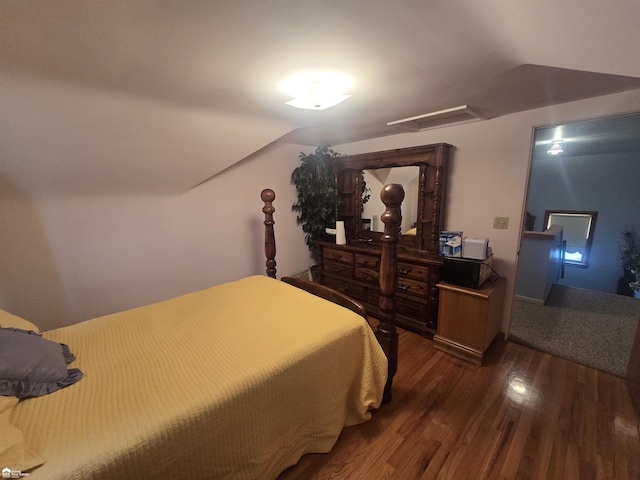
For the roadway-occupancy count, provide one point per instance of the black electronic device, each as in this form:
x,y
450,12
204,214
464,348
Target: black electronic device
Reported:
x,y
467,272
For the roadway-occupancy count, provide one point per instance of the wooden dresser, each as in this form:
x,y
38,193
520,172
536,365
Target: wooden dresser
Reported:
x,y
353,270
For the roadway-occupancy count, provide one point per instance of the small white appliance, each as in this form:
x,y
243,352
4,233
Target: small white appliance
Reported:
x,y
475,248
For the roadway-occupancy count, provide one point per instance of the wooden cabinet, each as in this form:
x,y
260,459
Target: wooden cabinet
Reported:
x,y
354,271
469,319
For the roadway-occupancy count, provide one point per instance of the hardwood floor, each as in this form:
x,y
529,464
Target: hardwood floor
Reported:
x,y
522,415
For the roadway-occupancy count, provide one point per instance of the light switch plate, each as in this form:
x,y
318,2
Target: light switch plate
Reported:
x,y
501,223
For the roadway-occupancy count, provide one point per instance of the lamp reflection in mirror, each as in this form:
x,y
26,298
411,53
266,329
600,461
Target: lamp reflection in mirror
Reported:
x,y
556,148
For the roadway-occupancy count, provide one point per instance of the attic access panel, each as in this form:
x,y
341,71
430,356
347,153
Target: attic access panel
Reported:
x,y
440,118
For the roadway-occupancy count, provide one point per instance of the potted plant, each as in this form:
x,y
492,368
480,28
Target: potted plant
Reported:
x,y
635,285
630,257
316,190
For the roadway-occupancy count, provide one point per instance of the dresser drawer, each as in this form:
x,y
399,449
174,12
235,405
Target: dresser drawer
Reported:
x,y
337,268
354,270
412,287
404,307
425,326
367,275
368,261
338,256
415,272
411,309
350,289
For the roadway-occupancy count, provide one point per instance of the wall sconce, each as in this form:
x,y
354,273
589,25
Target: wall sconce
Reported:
x,y
556,148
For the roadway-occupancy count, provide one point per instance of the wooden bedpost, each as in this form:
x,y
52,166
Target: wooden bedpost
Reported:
x,y
268,196
392,195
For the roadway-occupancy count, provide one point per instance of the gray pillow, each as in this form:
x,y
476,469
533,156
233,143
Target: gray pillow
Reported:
x,y
31,366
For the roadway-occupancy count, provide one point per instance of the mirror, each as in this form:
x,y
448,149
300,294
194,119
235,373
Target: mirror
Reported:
x,y
597,170
422,172
375,180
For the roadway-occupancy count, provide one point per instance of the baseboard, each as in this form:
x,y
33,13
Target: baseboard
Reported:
x,y
522,298
458,350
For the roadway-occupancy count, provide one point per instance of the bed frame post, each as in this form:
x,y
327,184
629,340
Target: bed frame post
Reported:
x,y
268,196
392,195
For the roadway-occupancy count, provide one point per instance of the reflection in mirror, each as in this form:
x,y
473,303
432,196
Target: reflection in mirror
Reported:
x,y
597,170
577,233
375,180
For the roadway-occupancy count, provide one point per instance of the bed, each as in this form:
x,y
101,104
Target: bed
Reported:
x,y
236,381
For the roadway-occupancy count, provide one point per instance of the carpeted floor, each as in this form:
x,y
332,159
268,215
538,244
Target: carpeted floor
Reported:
x,y
591,328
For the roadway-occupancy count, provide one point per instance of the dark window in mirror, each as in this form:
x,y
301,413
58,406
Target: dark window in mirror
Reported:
x,y
577,234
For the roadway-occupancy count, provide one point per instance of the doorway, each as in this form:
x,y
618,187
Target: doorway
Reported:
x,y
591,166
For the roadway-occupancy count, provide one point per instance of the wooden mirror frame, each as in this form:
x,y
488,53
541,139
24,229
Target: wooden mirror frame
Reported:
x,y
433,162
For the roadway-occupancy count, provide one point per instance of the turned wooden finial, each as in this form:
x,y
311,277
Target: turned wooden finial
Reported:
x,y
392,196
268,196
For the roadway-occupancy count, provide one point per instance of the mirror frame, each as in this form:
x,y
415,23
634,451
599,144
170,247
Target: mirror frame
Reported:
x,y
433,162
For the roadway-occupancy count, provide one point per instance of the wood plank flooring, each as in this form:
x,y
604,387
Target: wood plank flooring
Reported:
x,y
522,415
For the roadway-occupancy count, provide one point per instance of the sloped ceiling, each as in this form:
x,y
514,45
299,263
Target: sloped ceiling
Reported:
x,y
157,96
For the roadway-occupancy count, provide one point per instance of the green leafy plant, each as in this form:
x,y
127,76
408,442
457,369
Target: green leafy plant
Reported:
x,y
366,191
317,199
630,249
630,255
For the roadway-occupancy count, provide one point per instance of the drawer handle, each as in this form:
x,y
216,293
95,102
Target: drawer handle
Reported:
x,y
404,271
335,256
404,286
342,288
366,275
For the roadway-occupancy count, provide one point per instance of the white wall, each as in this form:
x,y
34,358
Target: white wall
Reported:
x,y
67,259
489,170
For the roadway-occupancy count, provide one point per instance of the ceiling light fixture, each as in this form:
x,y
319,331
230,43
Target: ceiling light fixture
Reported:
x,y
316,90
556,148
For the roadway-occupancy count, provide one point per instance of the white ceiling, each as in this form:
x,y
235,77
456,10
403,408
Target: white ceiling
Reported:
x,y
98,89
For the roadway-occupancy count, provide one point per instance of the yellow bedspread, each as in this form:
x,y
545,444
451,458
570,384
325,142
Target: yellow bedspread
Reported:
x,y
236,381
